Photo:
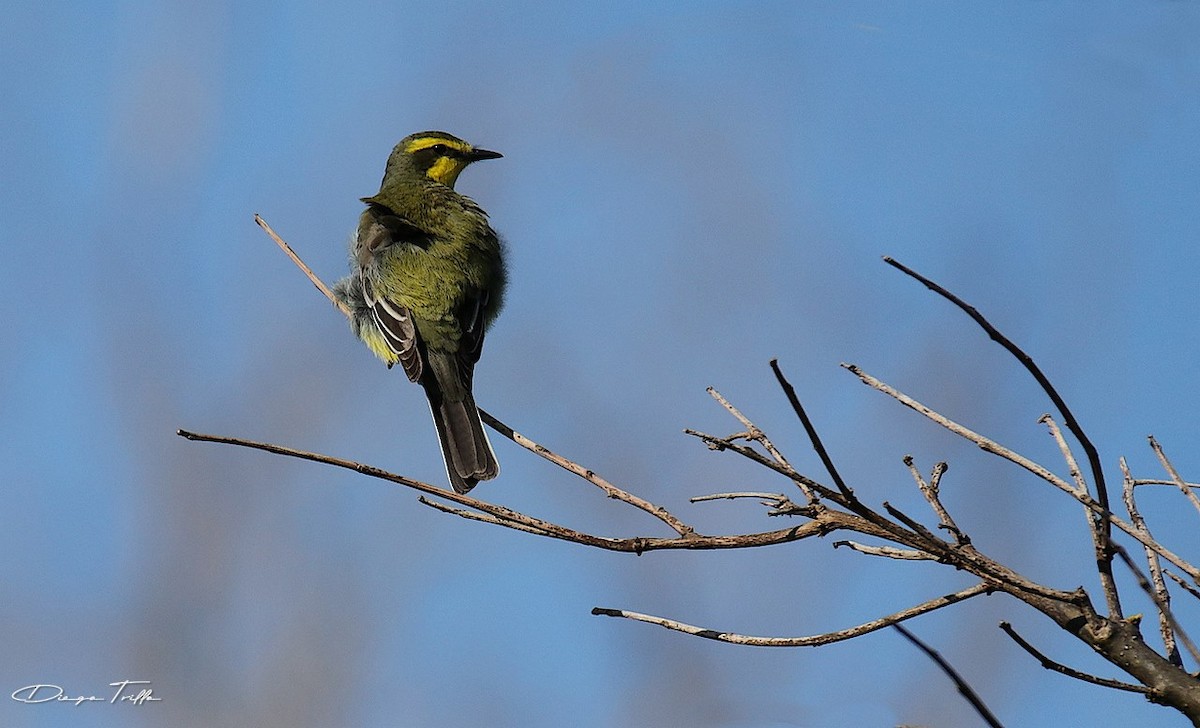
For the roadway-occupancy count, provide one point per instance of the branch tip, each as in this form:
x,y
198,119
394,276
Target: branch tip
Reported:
x,y
964,688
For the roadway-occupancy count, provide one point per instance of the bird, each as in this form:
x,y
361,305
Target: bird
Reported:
x,y
427,279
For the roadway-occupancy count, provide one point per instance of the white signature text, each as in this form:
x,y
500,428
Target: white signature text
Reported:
x,y
135,692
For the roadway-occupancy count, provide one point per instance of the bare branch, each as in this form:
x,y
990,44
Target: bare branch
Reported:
x,y
811,641
757,435
1179,482
589,475
1160,481
1100,538
504,516
886,551
482,517
963,687
930,491
728,443
1068,456
932,542
1162,597
302,266
1068,671
1183,583
774,500
790,392
1038,470
983,442
829,521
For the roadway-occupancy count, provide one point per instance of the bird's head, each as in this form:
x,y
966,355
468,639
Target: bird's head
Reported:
x,y
434,154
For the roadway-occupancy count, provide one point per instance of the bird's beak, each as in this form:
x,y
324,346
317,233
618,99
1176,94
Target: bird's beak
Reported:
x,y
477,154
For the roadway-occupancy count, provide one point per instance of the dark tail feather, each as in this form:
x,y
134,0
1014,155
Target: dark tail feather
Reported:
x,y
465,446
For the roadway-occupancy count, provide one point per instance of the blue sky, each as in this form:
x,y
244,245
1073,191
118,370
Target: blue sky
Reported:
x,y
686,193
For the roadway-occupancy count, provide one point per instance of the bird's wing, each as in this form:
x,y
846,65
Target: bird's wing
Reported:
x,y
378,231
380,228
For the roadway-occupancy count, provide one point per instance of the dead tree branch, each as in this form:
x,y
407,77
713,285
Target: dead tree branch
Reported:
x,y
1068,671
1162,597
963,687
810,641
828,509
1185,487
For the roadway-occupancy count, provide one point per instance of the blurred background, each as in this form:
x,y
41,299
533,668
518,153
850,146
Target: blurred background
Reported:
x,y
686,193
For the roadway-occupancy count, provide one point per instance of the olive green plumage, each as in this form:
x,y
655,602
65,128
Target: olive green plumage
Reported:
x,y
428,279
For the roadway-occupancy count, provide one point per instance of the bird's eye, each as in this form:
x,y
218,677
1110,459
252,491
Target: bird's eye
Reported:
x,y
439,148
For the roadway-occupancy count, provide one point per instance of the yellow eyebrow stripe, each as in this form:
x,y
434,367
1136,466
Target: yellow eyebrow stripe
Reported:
x,y
420,143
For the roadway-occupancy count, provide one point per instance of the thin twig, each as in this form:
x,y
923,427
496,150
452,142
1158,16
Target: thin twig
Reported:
x,y
727,443
770,499
932,541
589,475
964,688
754,433
886,551
931,492
810,641
1160,481
1183,583
1101,542
1162,596
984,443
483,517
752,430
1182,484
1065,449
1069,671
779,503
302,266
790,392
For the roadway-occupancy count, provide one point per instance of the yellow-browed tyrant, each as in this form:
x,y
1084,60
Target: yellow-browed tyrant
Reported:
x,y
427,280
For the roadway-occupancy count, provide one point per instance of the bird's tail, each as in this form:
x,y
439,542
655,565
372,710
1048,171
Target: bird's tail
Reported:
x,y
465,447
